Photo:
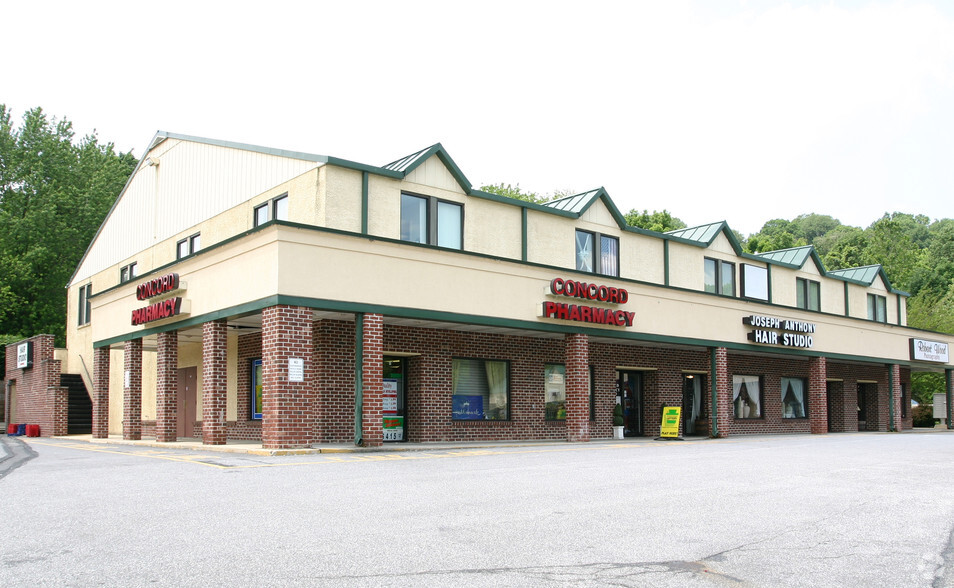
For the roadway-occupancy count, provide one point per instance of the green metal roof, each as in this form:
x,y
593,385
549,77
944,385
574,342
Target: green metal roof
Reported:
x,y
701,234
578,203
796,256
407,163
865,274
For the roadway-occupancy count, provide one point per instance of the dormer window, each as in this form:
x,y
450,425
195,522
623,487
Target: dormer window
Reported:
x,y
719,277
274,209
588,259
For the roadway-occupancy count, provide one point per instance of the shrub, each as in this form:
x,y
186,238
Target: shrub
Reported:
x,y
923,415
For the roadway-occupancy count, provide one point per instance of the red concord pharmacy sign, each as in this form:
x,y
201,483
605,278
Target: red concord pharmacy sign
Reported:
x,y
160,310
588,314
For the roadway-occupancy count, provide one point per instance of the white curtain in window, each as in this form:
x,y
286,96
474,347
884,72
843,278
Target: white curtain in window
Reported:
x,y
696,398
745,397
497,384
793,398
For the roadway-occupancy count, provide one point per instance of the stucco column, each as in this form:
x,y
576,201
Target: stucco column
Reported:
x,y
214,381
721,392
288,383
167,384
100,393
372,345
818,395
577,358
132,390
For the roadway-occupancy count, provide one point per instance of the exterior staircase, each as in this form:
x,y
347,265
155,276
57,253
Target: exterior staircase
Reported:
x,y
80,415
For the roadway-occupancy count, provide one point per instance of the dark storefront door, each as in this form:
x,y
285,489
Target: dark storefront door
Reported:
x,y
692,403
862,407
394,400
629,386
185,402
828,400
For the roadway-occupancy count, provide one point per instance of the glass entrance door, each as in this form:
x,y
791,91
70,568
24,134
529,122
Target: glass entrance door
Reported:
x,y
692,406
394,399
629,389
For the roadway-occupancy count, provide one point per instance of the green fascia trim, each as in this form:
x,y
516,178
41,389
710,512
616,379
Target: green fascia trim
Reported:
x,y
454,170
364,203
714,388
768,270
425,154
482,320
846,300
898,299
666,263
378,171
524,239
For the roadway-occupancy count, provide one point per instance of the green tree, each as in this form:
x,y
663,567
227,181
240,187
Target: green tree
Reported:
x,y
657,220
54,194
812,226
775,234
513,191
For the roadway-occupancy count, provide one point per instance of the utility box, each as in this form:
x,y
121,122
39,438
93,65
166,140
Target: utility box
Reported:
x,y
940,408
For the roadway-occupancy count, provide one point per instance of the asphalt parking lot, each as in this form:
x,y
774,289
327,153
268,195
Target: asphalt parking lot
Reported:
x,y
865,509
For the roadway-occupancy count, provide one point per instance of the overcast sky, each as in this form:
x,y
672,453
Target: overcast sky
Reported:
x,y
731,110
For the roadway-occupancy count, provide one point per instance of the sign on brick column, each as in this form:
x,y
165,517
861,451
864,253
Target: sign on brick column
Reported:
x,y
818,395
167,383
288,403
372,344
100,392
214,381
577,358
132,390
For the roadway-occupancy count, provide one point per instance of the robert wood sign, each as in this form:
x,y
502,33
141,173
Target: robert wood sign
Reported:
x,y
924,350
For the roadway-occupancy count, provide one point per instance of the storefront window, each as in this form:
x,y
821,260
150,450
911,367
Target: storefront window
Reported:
x,y
793,398
554,382
481,390
746,397
256,391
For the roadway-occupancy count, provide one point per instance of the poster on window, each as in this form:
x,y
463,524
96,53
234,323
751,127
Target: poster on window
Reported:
x,y
389,396
393,428
468,407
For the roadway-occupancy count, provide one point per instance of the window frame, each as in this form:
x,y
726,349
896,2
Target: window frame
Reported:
x,y
84,308
509,386
127,273
719,265
744,282
271,210
253,396
547,391
804,381
803,288
876,303
193,243
432,221
596,253
761,398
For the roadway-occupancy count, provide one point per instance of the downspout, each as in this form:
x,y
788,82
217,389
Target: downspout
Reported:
x,y
358,377
950,396
891,399
714,386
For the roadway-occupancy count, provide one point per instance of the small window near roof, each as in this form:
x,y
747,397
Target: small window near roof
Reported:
x,y
754,282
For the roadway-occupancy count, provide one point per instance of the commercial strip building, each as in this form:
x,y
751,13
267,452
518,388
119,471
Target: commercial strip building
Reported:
x,y
240,292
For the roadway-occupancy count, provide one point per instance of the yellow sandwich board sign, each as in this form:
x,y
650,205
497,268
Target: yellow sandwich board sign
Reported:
x,y
670,421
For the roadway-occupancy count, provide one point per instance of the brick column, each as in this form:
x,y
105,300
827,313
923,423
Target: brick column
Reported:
x,y
132,390
288,407
818,395
894,397
214,381
372,348
577,358
719,427
100,393
167,385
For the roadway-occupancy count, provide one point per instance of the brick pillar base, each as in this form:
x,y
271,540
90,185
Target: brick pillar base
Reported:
x,y
372,346
132,390
577,358
288,406
167,384
818,395
719,427
215,381
100,393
